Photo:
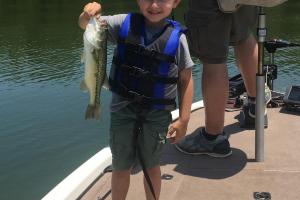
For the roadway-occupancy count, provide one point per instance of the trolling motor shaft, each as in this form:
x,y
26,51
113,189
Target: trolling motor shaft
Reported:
x,y
270,69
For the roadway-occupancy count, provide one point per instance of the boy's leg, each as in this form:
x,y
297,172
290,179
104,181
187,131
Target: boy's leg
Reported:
x,y
123,150
215,94
155,176
247,60
151,142
120,184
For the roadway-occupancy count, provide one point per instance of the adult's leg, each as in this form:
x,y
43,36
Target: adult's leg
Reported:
x,y
209,38
215,95
211,141
155,177
120,184
247,60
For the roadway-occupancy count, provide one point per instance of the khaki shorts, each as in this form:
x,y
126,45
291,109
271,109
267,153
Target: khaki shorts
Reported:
x,y
211,32
151,141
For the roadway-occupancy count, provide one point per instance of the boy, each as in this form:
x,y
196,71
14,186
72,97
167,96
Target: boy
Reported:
x,y
150,60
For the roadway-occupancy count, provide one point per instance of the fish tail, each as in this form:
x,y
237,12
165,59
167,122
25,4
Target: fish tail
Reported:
x,y
92,112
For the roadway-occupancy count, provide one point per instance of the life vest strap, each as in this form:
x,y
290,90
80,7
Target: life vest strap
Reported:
x,y
141,73
142,99
141,50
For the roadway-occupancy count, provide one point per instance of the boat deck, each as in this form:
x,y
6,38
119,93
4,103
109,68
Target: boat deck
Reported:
x,y
237,177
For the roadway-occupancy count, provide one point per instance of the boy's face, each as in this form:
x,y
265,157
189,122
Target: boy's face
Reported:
x,y
157,10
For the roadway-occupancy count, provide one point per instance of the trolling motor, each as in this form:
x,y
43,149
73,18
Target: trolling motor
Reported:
x,y
237,86
236,83
290,99
270,69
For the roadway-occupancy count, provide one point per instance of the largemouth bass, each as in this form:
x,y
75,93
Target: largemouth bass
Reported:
x,y
95,61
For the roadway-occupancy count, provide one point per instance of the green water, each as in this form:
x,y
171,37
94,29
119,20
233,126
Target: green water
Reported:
x,y
43,134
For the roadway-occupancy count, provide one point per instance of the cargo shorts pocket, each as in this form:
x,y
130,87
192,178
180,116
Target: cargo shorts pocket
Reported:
x,y
199,26
154,138
121,139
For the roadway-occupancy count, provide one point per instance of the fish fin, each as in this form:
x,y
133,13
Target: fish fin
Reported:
x,y
92,112
106,83
83,86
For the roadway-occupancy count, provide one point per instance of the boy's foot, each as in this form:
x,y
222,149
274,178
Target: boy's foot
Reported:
x,y
197,144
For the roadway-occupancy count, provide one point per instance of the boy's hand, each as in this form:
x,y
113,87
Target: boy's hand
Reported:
x,y
177,131
92,9
89,10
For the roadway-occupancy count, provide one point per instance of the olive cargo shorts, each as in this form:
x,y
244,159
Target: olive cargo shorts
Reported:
x,y
211,32
151,141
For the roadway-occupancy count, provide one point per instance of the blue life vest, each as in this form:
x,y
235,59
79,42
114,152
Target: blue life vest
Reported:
x,y
146,74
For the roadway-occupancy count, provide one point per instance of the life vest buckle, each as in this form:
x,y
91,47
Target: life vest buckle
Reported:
x,y
152,53
137,72
139,49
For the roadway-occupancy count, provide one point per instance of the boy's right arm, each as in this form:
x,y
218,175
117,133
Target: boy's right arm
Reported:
x,y
89,10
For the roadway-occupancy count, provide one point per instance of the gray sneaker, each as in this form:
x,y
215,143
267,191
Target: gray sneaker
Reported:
x,y
197,144
247,117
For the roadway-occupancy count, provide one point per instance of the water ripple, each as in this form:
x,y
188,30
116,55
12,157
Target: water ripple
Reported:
x,y
27,65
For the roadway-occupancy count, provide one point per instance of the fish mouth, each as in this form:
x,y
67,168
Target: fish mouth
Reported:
x,y
102,23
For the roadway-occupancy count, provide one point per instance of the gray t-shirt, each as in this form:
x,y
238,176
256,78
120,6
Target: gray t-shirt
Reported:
x,y
182,58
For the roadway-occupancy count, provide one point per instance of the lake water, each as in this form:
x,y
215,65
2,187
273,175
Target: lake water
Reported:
x,y
43,134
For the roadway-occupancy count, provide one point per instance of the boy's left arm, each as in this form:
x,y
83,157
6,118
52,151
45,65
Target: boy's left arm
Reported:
x,y
177,130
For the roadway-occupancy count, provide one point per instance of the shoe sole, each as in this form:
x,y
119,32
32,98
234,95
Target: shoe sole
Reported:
x,y
215,155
